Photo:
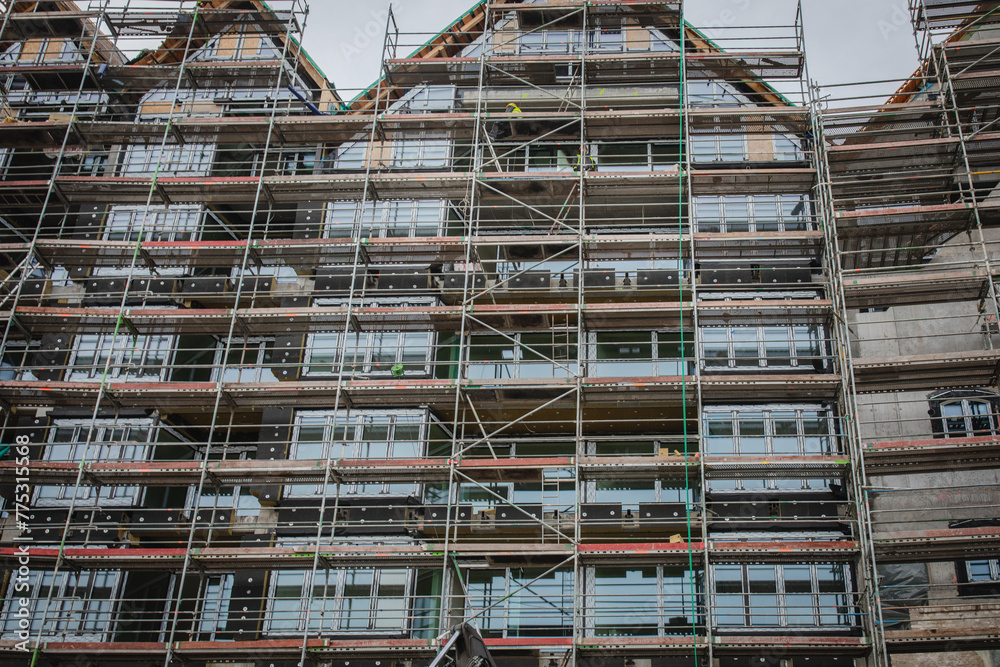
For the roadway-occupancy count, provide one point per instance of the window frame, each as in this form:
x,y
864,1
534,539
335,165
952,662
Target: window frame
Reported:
x,y
663,612
781,608
369,340
765,414
816,338
965,398
337,598
106,344
785,221
68,609
356,422
112,495
377,219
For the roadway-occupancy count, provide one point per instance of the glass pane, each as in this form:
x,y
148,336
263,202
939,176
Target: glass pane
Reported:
x,y
287,598
786,439
390,605
715,347
729,602
777,347
543,607
752,439
621,354
737,212
357,600
486,588
816,428
798,595
721,440
763,595
745,350
625,601
833,598
709,214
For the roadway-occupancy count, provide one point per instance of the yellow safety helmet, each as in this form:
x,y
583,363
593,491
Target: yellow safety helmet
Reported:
x,y
513,108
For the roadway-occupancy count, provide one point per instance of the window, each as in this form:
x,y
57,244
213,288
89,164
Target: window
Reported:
x,y
361,435
383,219
355,601
124,356
787,148
637,156
218,591
80,607
523,602
778,430
980,571
543,41
965,413
640,353
372,353
422,154
719,147
632,493
714,94
782,596
757,213
764,347
186,160
552,354
156,223
427,99
643,601
249,360
123,440
555,493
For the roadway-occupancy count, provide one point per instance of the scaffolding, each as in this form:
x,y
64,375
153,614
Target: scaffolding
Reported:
x,y
609,338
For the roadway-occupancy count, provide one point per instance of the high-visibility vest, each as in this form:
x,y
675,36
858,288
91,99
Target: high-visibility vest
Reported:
x,y
580,163
513,108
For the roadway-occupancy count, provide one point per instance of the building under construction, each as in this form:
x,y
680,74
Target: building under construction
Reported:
x,y
625,343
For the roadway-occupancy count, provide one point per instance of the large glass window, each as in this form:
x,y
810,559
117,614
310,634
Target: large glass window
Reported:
x,y
764,347
74,440
422,154
756,213
643,601
640,353
80,607
387,218
371,353
173,160
719,147
145,358
778,430
551,354
521,602
969,417
359,435
340,601
249,360
817,595
155,223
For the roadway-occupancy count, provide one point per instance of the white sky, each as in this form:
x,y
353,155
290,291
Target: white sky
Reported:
x,y
847,40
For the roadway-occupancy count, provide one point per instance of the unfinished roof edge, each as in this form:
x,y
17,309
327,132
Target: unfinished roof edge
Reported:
x,y
366,93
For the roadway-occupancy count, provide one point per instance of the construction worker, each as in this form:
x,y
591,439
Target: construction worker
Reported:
x,y
504,129
584,160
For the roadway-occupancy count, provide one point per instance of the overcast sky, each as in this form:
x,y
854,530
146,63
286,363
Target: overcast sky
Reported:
x,y
847,40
